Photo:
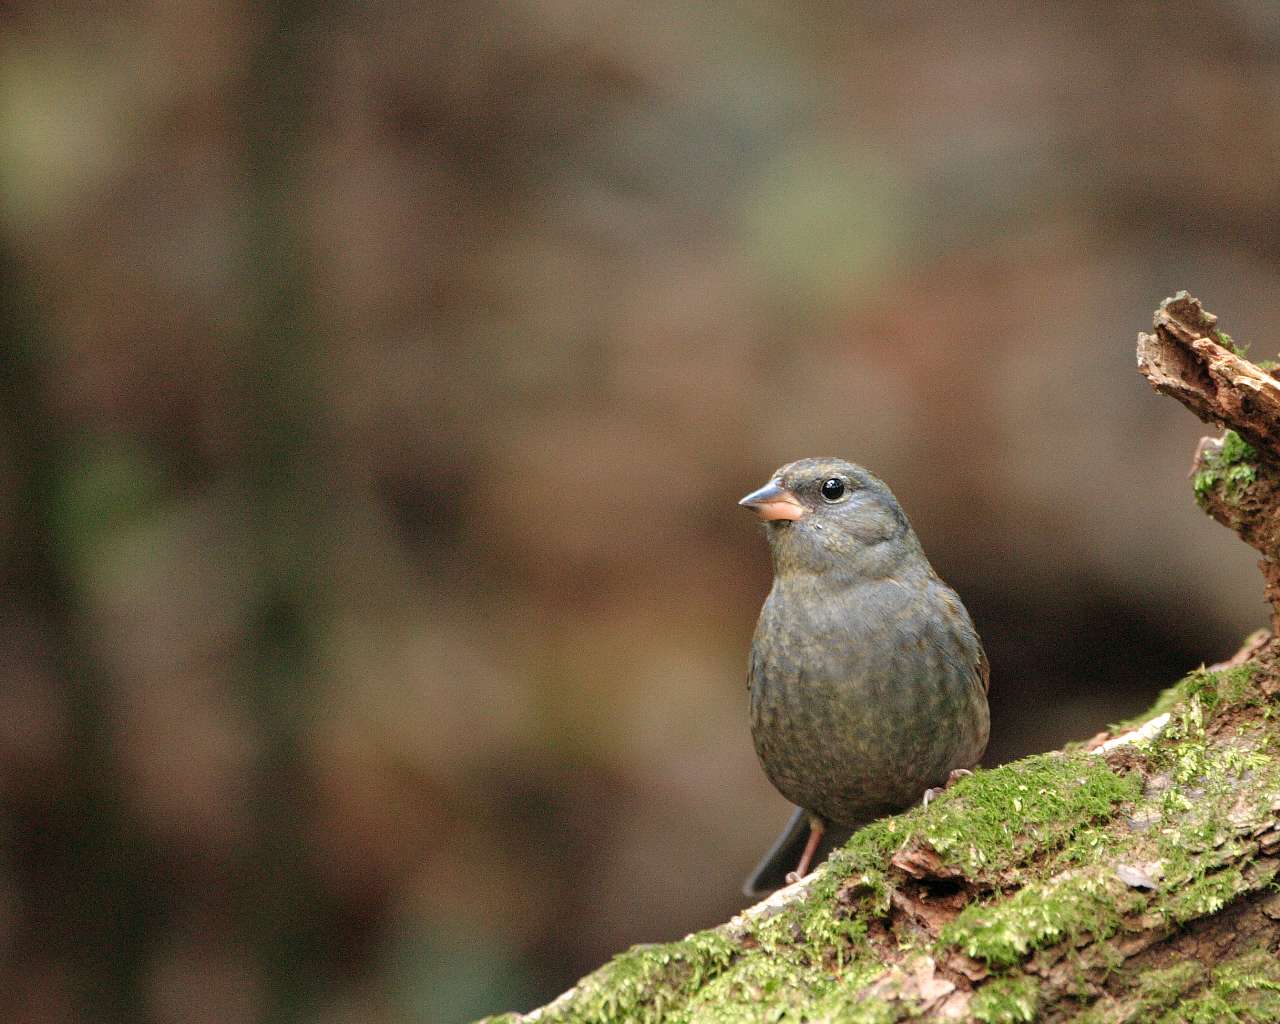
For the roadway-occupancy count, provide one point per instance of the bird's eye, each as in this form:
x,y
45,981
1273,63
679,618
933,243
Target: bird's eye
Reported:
x,y
833,489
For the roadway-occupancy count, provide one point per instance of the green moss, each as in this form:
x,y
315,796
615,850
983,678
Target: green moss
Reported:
x,y
1083,904
1204,895
853,889
1161,987
1245,990
1141,995
985,825
1090,903
1228,342
1230,463
1240,476
860,865
1144,995
1183,750
990,822
865,1011
1215,690
1006,1000
1235,685
1203,482
646,983
759,989
708,979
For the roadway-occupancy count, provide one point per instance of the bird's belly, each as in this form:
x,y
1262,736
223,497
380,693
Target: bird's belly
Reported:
x,y
851,750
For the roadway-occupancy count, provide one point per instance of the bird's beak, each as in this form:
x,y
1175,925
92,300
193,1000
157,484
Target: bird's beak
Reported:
x,y
773,501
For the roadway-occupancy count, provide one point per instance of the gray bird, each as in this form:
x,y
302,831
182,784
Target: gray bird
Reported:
x,y
868,681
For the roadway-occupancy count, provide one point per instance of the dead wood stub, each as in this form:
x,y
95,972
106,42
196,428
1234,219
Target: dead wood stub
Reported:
x,y
1237,478
1190,359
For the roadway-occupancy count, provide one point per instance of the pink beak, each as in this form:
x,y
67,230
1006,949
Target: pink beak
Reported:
x,y
773,501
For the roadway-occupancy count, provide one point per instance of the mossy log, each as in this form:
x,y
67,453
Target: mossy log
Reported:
x,y
1132,878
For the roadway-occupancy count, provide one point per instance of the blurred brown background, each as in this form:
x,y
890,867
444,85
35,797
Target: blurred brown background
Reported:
x,y
378,381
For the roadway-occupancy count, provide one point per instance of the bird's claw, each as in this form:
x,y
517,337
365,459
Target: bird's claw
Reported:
x,y
934,792
792,877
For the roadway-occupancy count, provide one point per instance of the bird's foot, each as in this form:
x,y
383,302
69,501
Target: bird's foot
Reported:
x,y
816,829
934,792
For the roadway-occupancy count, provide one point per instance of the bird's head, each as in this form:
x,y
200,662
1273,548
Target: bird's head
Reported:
x,y
832,516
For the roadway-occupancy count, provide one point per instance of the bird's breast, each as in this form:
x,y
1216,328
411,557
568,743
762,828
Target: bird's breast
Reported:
x,y
860,696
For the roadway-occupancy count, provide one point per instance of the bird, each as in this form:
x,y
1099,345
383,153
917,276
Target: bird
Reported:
x,y
868,682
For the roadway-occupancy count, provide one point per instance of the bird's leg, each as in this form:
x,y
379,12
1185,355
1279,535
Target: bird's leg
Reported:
x,y
816,828
931,794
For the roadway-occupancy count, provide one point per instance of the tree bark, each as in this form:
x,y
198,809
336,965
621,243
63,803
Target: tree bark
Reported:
x,y
1130,878
1237,475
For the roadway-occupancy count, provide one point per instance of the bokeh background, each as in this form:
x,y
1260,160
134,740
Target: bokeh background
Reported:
x,y
377,383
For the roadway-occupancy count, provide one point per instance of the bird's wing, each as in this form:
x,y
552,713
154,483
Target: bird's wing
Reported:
x,y
960,616
753,663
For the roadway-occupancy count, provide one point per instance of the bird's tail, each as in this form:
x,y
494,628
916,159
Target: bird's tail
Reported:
x,y
784,854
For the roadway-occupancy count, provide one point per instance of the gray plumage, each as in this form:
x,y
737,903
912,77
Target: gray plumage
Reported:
x,y
868,681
